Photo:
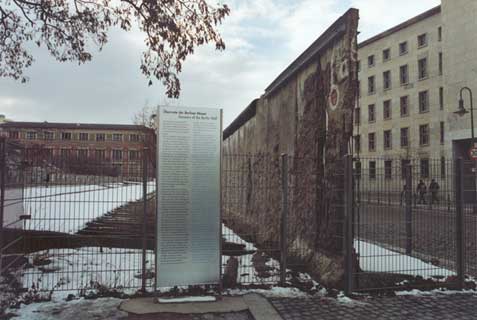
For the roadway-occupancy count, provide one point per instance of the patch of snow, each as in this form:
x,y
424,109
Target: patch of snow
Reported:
x,y
104,308
188,299
416,292
274,292
88,269
373,258
67,208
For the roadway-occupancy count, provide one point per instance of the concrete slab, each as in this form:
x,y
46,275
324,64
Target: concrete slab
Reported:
x,y
150,305
257,305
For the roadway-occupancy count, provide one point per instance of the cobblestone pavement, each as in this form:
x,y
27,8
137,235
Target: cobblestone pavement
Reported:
x,y
435,307
208,316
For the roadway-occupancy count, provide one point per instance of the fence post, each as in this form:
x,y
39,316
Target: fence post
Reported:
x,y
348,223
284,221
408,194
3,168
459,201
144,219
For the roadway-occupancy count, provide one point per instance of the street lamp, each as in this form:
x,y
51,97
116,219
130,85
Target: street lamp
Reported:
x,y
462,111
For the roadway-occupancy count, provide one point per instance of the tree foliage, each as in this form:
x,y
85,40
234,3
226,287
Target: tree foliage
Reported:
x,y
172,28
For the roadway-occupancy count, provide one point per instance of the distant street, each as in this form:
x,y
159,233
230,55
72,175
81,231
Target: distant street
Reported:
x,y
433,231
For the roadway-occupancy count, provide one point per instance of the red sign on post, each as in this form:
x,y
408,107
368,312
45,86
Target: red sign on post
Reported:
x,y
473,153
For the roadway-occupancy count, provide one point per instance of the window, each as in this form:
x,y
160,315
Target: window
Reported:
x,y
404,137
100,137
422,68
388,142
359,88
357,116
404,75
83,153
357,167
66,136
83,136
358,65
64,153
441,98
371,142
387,80
13,135
442,132
439,34
388,169
31,135
133,155
424,135
371,113
440,64
100,154
117,155
371,85
424,168
372,169
357,143
422,40
117,137
405,167
387,112
404,106
443,167
134,137
386,54
371,61
48,135
403,48
423,101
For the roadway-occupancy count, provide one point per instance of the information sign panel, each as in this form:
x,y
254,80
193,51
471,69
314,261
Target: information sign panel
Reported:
x,y
188,202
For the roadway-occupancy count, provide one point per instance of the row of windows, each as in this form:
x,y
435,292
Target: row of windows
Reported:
x,y
97,154
422,73
403,48
404,106
82,136
424,138
424,168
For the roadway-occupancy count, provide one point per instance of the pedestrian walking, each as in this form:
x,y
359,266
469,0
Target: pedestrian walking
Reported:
x,y
421,191
404,192
434,189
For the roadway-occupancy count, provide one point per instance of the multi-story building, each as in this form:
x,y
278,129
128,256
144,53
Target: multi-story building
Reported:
x,y
114,144
409,82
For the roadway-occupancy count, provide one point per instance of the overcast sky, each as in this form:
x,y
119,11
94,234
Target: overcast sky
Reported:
x,y
262,37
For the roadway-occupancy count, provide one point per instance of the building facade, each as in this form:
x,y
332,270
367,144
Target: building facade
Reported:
x,y
409,82
119,146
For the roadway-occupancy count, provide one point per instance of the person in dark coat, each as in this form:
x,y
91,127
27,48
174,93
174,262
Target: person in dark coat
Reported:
x,y
421,191
434,189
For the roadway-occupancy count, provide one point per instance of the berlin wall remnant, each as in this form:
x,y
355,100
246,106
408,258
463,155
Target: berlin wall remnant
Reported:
x,y
307,113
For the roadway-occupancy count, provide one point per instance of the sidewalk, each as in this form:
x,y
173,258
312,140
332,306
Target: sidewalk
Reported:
x,y
422,307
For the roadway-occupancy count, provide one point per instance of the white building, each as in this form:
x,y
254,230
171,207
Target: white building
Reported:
x,y
410,77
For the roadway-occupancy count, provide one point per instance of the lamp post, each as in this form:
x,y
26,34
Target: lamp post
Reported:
x,y
462,111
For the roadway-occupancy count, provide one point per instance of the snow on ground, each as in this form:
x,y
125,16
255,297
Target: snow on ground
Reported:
x,y
89,270
373,258
434,292
104,308
67,208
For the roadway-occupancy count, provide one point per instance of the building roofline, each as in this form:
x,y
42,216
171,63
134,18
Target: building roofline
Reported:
x,y
62,125
242,118
335,30
405,24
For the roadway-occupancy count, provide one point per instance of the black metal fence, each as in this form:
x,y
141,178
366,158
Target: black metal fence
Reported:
x,y
71,223
412,223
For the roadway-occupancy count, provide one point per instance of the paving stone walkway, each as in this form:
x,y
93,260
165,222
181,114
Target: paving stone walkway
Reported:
x,y
442,307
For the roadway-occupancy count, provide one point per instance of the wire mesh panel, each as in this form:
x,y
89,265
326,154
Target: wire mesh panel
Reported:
x,y
251,198
86,229
11,211
404,223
